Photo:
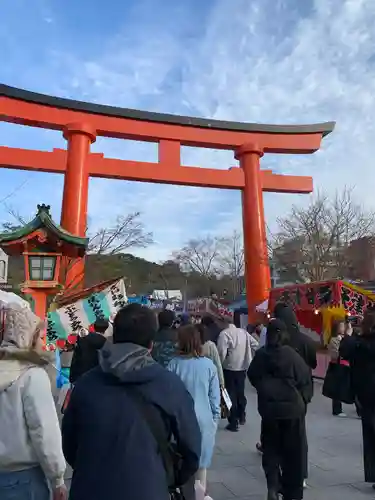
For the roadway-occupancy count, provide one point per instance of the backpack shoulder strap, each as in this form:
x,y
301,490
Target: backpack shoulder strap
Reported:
x,y
155,422
148,410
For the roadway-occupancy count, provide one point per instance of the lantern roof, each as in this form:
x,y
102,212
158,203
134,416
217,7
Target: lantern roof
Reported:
x,y
45,230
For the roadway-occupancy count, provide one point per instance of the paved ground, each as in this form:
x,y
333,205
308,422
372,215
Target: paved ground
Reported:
x,y
335,456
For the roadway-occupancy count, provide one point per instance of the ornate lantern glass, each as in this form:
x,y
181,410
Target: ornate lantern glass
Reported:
x,y
42,267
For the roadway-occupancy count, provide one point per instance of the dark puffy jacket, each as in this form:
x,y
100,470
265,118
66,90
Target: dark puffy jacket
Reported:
x,y
165,345
85,356
283,382
299,341
360,352
106,439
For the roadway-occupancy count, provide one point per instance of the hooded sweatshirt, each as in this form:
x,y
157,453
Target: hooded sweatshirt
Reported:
x,y
282,381
118,443
297,340
29,427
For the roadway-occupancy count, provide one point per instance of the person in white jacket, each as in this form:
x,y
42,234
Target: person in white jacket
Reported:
x,y
235,347
32,464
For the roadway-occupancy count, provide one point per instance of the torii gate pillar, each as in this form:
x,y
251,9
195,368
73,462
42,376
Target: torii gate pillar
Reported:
x,y
257,271
80,136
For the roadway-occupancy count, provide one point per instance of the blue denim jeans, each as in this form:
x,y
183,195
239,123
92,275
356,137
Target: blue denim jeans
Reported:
x,y
29,484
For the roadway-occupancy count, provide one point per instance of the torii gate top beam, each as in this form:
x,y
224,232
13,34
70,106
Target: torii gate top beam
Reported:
x,y
82,122
39,110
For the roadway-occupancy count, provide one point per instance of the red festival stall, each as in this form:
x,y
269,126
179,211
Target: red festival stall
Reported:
x,y
217,308
317,305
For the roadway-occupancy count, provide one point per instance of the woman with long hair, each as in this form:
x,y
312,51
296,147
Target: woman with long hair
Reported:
x,y
360,352
200,377
31,459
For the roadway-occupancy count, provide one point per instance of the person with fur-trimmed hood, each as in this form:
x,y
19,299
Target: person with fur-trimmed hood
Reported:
x,y
31,457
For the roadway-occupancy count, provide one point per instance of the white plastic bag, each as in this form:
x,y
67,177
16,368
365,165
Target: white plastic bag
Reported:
x,y
199,492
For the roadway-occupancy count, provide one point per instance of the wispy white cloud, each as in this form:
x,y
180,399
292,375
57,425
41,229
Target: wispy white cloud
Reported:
x,y
271,61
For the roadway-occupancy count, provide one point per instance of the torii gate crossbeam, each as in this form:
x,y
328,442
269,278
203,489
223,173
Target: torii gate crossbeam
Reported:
x,y
82,122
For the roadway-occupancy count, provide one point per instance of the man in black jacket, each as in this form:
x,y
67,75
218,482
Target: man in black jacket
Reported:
x,y
283,383
85,356
107,439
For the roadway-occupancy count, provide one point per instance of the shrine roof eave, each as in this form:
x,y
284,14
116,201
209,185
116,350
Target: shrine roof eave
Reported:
x,y
112,111
44,220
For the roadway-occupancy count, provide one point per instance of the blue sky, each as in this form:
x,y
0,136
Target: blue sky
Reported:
x,y
275,61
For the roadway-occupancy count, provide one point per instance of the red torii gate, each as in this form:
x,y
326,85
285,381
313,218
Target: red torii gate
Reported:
x,y
82,122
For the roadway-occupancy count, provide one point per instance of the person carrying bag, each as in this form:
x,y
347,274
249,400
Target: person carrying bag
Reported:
x,y
180,488
337,383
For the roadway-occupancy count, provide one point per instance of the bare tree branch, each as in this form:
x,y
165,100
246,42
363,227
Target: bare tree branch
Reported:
x,y
231,258
19,220
313,243
127,232
200,255
232,261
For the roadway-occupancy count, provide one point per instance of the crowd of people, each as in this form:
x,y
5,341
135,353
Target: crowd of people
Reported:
x,y
143,413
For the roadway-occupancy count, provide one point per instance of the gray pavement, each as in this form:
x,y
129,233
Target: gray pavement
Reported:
x,y
335,456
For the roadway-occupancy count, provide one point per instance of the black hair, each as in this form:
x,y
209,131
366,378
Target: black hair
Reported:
x,y
203,332
250,328
135,324
101,325
277,333
286,314
237,319
208,320
166,318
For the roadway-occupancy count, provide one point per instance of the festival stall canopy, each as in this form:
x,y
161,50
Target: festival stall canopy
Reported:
x,y
318,304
